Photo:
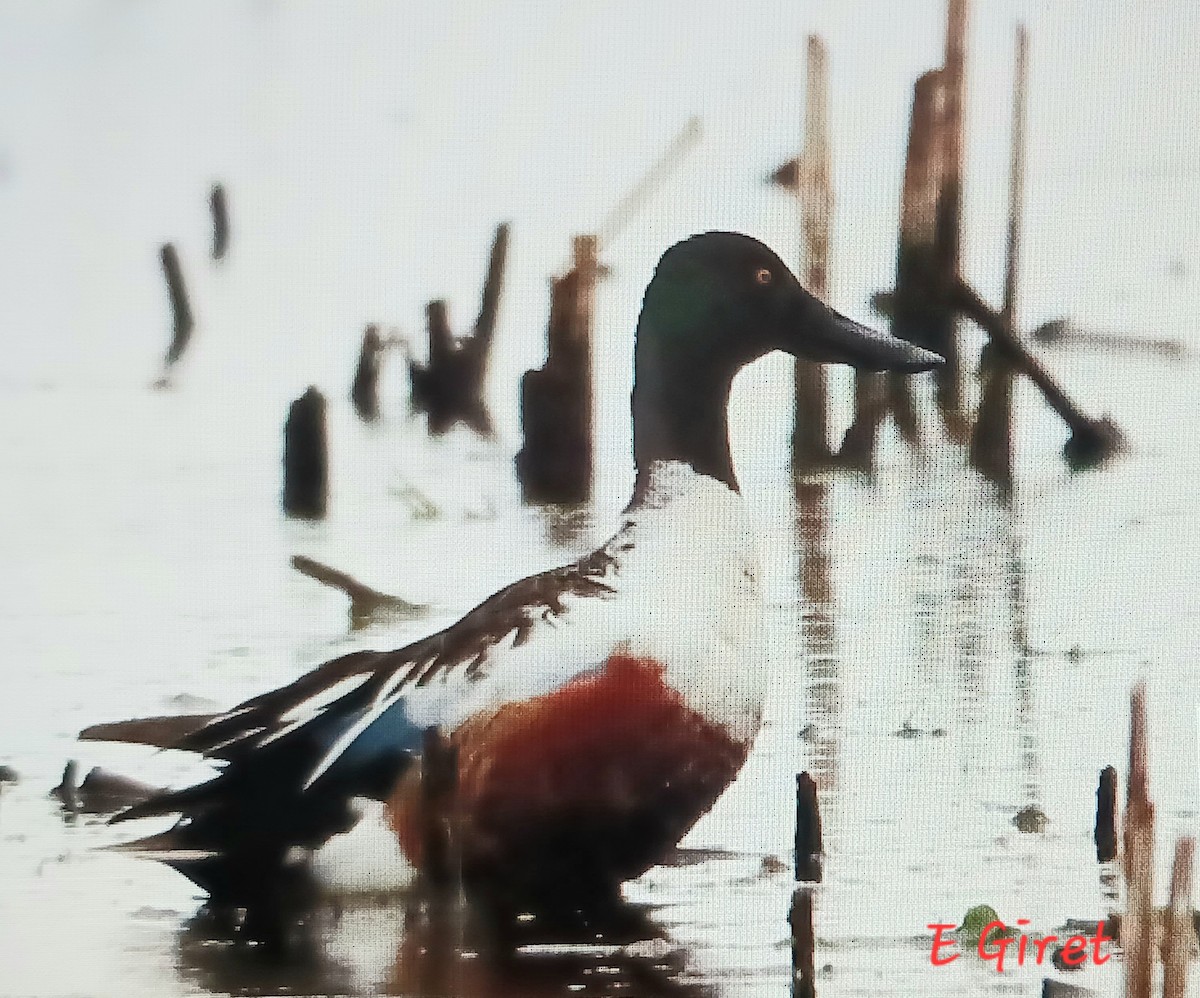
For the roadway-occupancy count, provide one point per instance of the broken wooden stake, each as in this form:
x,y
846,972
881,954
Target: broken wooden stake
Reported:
x,y
1092,440
1179,933
911,309
808,830
366,604
814,195
991,437
1137,927
364,393
808,850
948,240
555,463
449,387
439,791
1106,816
800,918
305,457
181,310
220,218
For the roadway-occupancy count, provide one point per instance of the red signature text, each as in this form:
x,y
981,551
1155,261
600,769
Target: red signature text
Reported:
x,y
1005,946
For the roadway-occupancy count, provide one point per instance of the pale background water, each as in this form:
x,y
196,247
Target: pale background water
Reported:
x,y
368,151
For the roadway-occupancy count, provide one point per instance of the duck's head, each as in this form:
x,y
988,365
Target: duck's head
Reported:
x,y
723,299
717,302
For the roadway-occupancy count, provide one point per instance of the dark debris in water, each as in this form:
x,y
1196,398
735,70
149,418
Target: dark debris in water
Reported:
x,y
1031,820
909,730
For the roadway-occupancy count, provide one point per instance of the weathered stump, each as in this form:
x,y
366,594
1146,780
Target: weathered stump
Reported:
x,y
449,387
808,831
808,849
991,437
1137,927
219,207
800,919
1179,933
915,313
306,458
948,241
364,393
439,791
814,193
1106,816
555,460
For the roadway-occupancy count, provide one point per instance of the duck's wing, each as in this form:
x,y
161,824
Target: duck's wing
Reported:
x,y
343,730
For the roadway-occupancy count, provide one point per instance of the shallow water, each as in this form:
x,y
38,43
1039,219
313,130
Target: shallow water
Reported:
x,y
147,563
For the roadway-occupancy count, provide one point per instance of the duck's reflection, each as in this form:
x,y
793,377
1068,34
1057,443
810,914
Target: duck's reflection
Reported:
x,y
441,946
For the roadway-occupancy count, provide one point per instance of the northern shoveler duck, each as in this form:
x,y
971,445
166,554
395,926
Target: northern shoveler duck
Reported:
x,y
596,710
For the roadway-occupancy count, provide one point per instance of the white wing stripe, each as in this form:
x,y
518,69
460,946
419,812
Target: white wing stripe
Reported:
x,y
346,737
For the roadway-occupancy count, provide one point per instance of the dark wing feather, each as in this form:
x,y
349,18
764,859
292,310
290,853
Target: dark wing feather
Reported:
x,y
235,829
161,732
467,643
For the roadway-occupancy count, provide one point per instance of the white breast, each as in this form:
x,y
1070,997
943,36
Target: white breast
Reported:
x,y
693,596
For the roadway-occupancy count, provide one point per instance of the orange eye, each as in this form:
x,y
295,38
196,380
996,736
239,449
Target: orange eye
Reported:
x,y
762,275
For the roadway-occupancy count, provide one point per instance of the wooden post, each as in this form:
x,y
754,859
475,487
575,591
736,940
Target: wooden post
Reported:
x,y
181,311
364,393
800,919
555,463
305,458
220,219
1137,927
808,830
808,851
1092,440
1179,933
913,310
814,195
949,216
1106,816
449,388
439,789
489,301
991,438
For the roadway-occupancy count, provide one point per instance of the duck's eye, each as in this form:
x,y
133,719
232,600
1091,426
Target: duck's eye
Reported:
x,y
762,276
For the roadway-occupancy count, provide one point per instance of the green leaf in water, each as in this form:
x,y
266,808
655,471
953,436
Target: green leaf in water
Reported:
x,y
977,919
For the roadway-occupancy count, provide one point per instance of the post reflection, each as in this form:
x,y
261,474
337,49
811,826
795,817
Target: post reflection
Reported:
x,y
567,526
816,592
